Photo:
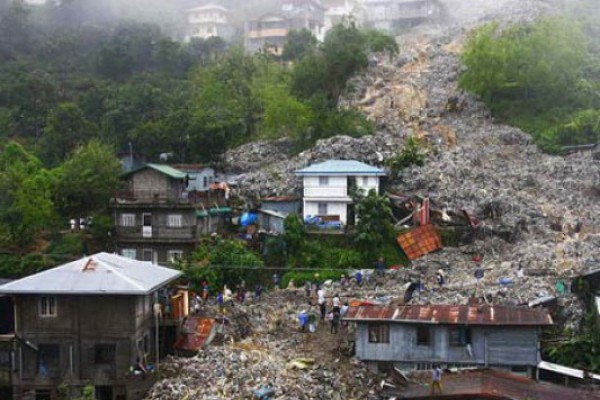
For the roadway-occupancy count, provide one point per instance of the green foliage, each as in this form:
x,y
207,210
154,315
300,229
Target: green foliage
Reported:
x,y
69,244
66,128
299,43
581,351
295,234
87,180
374,228
524,62
223,261
301,277
381,42
581,128
543,76
414,152
26,191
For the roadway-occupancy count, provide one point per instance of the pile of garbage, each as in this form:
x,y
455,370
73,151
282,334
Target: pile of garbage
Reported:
x,y
273,360
246,371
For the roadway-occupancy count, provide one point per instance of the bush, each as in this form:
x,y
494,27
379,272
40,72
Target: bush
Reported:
x,y
414,152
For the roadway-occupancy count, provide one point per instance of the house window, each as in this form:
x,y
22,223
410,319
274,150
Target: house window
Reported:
x,y
104,354
174,221
47,306
322,208
129,253
127,219
379,333
365,181
459,336
323,181
48,363
174,255
423,335
148,255
205,181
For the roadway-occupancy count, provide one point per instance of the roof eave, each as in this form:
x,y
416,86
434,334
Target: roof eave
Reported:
x,y
412,321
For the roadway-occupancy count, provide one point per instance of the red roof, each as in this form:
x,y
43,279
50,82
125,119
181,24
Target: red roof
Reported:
x,y
494,384
452,315
194,334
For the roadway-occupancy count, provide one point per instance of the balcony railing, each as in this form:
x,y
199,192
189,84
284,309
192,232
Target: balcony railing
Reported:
x,y
208,198
326,191
156,232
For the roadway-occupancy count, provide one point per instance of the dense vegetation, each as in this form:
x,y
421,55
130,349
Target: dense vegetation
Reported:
x,y
127,84
78,87
543,77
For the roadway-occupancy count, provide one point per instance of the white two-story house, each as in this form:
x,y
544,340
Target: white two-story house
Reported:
x,y
328,187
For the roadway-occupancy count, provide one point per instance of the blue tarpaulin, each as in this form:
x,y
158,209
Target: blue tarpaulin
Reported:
x,y
248,219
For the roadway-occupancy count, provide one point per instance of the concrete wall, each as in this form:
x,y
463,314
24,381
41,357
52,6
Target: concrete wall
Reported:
x,y
333,208
289,207
490,346
80,324
199,178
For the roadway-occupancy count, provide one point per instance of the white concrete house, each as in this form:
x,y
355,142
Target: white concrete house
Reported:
x,y
329,185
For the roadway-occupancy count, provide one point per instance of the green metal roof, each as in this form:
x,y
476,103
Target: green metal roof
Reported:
x,y
212,211
162,168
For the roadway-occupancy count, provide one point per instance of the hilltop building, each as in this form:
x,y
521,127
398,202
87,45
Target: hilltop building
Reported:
x,y
207,21
328,188
391,15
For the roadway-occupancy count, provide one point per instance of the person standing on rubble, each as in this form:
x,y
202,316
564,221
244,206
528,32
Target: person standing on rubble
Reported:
x,y
335,322
303,320
380,266
275,281
441,279
321,301
335,303
205,291
258,292
358,276
307,286
221,303
312,320
436,379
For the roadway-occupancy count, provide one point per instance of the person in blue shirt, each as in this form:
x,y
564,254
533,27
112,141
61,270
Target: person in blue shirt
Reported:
x,y
221,302
358,276
303,320
380,266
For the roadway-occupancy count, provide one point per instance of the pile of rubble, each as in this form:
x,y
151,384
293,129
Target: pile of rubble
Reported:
x,y
533,201
274,357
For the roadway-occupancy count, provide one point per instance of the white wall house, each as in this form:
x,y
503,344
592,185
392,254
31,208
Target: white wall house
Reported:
x,y
329,185
209,21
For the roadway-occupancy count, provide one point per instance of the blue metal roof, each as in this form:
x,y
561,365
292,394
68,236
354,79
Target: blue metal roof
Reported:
x,y
341,167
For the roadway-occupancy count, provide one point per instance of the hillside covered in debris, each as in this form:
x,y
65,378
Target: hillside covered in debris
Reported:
x,y
529,202
535,212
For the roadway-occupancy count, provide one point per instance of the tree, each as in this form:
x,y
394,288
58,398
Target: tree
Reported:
x,y
538,62
374,228
87,180
299,43
380,42
224,261
66,128
26,192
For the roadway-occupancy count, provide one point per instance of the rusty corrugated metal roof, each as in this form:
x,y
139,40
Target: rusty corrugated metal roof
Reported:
x,y
493,384
419,241
451,315
194,334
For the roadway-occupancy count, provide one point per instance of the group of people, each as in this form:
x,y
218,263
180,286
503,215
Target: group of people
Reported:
x,y
308,320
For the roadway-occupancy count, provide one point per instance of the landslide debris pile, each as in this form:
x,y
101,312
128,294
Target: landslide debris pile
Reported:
x,y
544,208
275,355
